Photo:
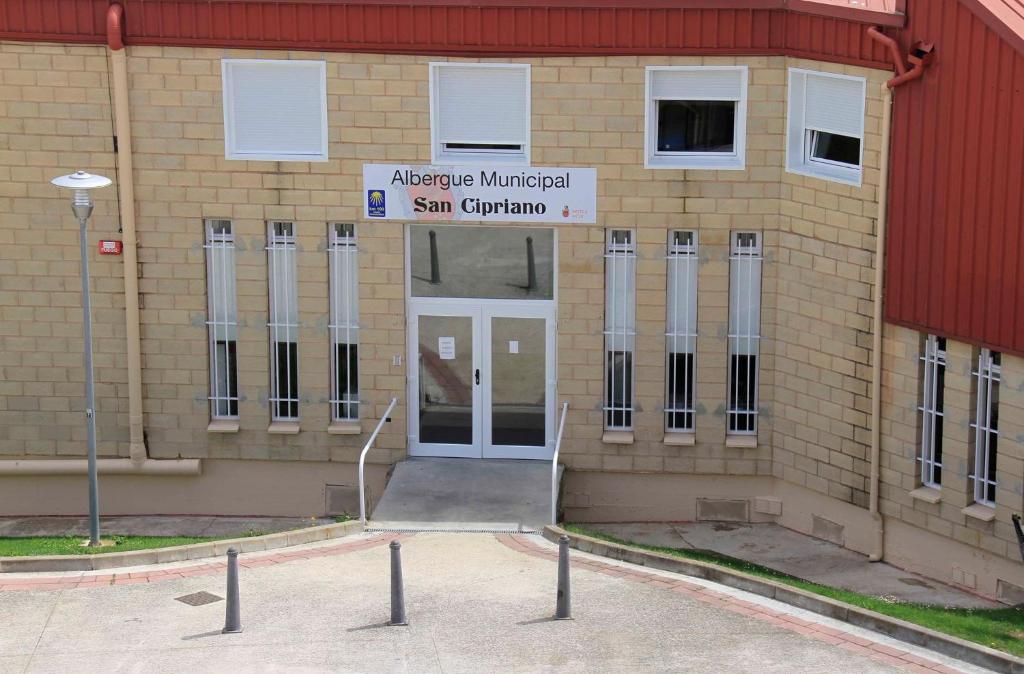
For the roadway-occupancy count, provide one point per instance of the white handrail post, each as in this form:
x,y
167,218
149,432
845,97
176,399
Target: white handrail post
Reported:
x,y
554,465
362,460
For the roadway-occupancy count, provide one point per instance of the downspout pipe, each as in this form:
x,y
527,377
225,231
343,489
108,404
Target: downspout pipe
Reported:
x,y
126,185
878,549
920,56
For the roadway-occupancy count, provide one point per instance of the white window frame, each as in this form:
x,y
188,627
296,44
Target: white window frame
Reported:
x,y
747,334
343,264
800,137
722,161
619,336
985,425
231,150
681,300
222,318
933,359
442,156
281,268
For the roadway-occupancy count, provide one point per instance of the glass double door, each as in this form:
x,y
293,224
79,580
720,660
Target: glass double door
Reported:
x,y
481,379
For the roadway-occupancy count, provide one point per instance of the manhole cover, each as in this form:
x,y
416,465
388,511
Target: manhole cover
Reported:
x,y
914,581
198,598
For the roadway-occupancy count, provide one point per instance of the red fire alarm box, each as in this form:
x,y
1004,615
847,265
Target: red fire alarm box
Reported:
x,y
110,247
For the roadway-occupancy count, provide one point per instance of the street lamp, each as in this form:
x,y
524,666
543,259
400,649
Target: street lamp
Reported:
x,y
81,204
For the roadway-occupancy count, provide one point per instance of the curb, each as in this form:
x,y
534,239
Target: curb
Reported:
x,y
178,553
892,627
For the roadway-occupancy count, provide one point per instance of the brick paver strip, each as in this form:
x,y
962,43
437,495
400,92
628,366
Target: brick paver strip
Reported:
x,y
850,642
200,569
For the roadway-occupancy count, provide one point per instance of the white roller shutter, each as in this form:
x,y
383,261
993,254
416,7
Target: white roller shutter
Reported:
x,y
834,105
704,84
481,104
275,110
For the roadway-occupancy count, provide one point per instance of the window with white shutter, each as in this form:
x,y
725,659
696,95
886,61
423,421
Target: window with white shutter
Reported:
x,y
480,113
275,110
696,117
825,133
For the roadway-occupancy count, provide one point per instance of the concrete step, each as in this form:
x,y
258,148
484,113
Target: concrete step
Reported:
x,y
481,495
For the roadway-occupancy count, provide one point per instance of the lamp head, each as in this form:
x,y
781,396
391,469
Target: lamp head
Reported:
x,y
81,182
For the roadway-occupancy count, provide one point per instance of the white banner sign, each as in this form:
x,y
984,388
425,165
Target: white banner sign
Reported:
x,y
481,194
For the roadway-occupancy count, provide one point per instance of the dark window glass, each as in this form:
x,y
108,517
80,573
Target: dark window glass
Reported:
x,y
287,403
741,393
620,389
696,126
484,147
940,386
346,381
680,391
227,379
833,147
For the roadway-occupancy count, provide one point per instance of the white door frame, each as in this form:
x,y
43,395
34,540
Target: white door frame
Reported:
x,y
481,311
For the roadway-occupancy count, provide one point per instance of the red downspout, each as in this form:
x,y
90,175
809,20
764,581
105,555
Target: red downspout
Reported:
x,y
920,55
115,27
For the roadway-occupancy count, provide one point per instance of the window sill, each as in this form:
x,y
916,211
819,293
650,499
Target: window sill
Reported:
x,y
223,426
617,438
284,427
680,439
927,494
701,163
852,177
980,512
747,441
345,428
500,158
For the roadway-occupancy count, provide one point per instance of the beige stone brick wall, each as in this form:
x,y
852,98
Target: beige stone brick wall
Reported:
x,y
901,440
54,118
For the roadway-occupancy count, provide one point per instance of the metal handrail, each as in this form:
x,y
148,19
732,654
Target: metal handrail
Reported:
x,y
554,465
362,460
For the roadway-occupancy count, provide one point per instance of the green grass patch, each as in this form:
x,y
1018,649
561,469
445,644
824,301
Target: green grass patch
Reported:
x,y
72,545
999,628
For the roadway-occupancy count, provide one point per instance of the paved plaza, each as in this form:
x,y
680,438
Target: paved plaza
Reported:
x,y
476,603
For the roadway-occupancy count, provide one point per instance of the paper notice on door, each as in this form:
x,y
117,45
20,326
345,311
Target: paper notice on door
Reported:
x,y
446,348
513,346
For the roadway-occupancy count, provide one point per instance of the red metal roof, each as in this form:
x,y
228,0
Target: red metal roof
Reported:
x,y
1005,17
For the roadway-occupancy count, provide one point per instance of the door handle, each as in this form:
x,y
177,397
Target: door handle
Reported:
x,y
478,376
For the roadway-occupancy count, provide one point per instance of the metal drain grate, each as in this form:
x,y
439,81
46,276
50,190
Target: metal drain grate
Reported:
x,y
199,598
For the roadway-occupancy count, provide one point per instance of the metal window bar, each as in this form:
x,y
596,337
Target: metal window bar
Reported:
x,y
744,332
342,253
681,335
620,332
283,324
222,318
933,381
986,427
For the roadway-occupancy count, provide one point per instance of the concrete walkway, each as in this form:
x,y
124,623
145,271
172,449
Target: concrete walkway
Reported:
x,y
476,602
798,555
155,525
466,495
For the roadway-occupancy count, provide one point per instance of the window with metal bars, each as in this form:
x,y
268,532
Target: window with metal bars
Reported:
x,y
933,381
222,318
745,259
986,426
681,333
344,320
284,322
619,328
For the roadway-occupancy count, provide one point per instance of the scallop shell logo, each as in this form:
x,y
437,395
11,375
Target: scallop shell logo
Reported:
x,y
376,198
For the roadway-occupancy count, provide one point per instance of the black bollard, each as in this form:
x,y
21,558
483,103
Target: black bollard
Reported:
x,y
232,617
397,589
531,266
435,264
563,605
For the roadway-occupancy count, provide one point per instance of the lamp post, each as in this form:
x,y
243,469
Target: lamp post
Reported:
x,y
81,205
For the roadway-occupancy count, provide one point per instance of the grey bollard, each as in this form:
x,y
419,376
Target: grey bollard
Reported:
x,y
563,606
531,265
397,589
232,614
435,264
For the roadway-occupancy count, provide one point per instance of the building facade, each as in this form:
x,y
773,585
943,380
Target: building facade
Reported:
x,y
673,232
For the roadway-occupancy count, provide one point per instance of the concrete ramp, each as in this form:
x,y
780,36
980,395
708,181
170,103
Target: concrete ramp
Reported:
x,y
427,494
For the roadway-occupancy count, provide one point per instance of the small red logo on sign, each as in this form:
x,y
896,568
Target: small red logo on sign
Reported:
x,y
110,247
